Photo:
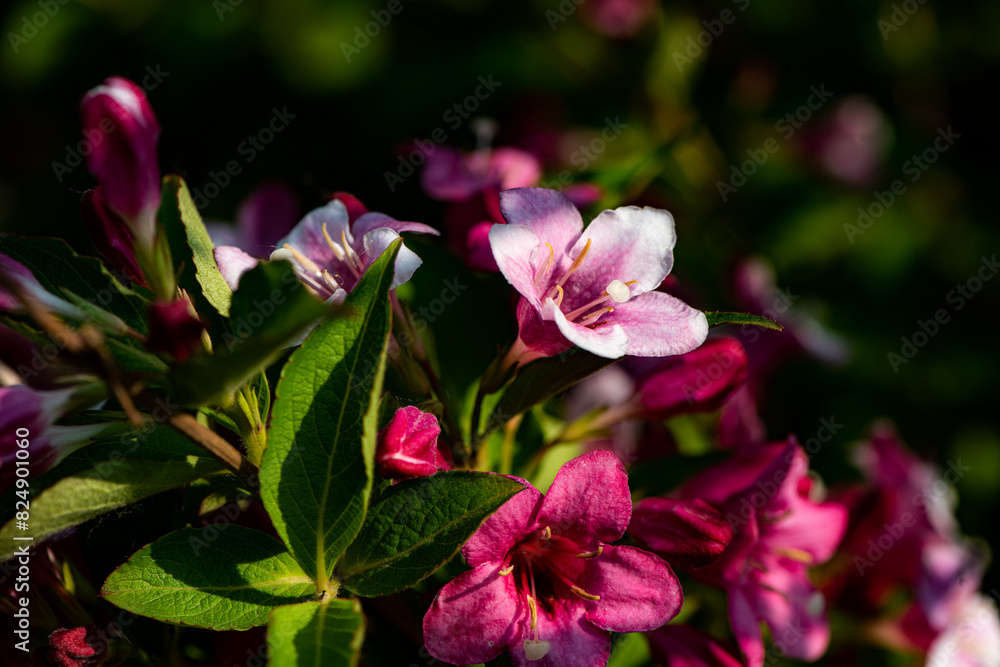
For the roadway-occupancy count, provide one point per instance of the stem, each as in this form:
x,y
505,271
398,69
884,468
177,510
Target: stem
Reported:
x,y
217,446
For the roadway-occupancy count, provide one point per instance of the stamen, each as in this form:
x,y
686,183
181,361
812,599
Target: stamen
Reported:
x,y
353,260
507,570
534,615
576,264
337,251
559,296
592,554
306,263
547,533
584,308
584,594
329,280
593,317
754,563
548,265
618,291
795,554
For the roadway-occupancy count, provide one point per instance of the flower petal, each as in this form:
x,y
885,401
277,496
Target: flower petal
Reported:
x,y
504,528
639,592
795,612
609,340
573,640
686,646
589,501
513,249
307,236
659,325
475,617
370,221
375,243
629,243
233,263
549,213
746,628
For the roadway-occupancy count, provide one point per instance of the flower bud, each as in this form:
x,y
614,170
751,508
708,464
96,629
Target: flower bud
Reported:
x,y
697,381
110,234
122,132
407,446
175,329
76,647
687,533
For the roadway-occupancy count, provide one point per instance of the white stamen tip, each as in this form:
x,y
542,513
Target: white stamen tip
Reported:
x,y
618,291
281,253
816,604
536,649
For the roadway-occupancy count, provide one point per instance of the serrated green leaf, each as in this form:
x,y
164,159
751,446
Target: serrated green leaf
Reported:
x,y
541,380
220,577
84,495
61,272
317,471
269,312
191,246
316,633
417,526
716,317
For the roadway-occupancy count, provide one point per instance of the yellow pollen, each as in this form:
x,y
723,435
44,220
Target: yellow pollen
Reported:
x,y
559,295
547,533
576,263
329,280
591,554
795,554
507,570
337,251
534,612
584,594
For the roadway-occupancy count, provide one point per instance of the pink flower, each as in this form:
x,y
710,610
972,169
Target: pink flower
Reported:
x,y
593,288
268,213
111,235
453,176
546,585
330,253
27,432
779,532
687,533
407,446
122,130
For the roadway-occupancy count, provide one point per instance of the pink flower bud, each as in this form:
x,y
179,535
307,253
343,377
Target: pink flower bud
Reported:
x,y
174,329
407,446
687,533
76,647
122,131
697,381
111,235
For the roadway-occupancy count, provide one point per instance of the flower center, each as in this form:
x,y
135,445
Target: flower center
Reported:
x,y
588,314
540,553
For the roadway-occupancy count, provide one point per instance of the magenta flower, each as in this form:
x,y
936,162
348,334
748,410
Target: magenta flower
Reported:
x,y
779,532
122,131
594,288
407,446
679,645
330,253
26,425
110,234
546,585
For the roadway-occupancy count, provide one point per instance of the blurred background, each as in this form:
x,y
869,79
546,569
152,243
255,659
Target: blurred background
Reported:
x,y
846,147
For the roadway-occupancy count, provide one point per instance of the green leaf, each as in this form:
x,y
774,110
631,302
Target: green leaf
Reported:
x,y
316,633
269,311
191,246
541,380
221,577
317,471
417,526
64,273
84,495
716,317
